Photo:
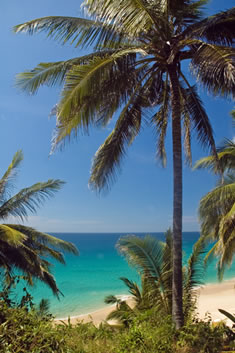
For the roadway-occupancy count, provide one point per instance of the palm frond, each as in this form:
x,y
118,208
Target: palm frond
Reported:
x,y
49,279
160,121
198,116
226,154
233,115
13,237
207,163
144,254
226,248
228,315
112,299
27,260
45,240
23,247
194,274
214,66
83,78
130,16
29,199
78,31
123,314
218,29
51,73
217,201
43,307
226,159
108,157
9,176
217,215
88,82
186,12
133,288
195,267
102,100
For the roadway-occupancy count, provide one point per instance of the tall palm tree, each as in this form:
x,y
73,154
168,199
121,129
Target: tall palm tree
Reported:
x,y
217,207
22,247
136,66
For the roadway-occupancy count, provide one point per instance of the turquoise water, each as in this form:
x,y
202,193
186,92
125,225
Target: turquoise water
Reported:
x,y
88,278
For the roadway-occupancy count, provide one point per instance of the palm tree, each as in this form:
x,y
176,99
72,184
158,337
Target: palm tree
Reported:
x,y
22,247
153,261
217,207
136,66
225,156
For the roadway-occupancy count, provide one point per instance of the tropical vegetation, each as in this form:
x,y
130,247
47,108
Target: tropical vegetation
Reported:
x,y
136,70
152,259
217,207
23,248
25,331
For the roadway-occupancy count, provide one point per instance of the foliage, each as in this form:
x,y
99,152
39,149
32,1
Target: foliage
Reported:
x,y
135,70
153,261
23,332
228,315
22,247
217,207
130,68
144,337
201,337
10,293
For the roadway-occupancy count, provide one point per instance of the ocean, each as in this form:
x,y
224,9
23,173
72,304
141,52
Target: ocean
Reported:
x,y
86,279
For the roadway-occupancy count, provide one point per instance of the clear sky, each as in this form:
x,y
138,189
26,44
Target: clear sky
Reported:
x,y
141,199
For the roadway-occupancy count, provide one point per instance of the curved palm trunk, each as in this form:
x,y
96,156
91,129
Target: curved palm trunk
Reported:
x,y
177,306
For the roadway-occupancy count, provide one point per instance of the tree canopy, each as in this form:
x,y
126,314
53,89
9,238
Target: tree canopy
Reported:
x,y
136,71
23,247
217,207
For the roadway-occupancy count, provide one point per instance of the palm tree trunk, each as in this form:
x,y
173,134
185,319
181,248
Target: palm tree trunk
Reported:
x,y
177,292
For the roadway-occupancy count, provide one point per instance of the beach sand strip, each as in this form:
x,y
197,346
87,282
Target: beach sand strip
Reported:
x,y
211,297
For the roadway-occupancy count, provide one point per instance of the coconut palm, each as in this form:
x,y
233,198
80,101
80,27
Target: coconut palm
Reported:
x,y
153,261
136,71
225,156
23,247
216,213
217,207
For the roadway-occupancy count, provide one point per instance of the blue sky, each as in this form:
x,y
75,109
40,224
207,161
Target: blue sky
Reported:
x,y
141,199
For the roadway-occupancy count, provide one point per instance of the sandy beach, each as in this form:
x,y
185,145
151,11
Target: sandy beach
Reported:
x,y
211,297
217,296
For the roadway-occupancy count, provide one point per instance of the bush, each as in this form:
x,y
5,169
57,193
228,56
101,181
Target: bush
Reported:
x,y
22,331
147,334
201,337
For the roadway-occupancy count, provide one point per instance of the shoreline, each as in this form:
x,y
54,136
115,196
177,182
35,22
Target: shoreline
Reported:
x,y
214,296
98,316
211,297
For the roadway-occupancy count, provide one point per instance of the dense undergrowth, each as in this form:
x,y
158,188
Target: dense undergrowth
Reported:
x,y
23,330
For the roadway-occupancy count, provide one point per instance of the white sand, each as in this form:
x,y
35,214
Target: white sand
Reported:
x,y
217,296
96,317
211,298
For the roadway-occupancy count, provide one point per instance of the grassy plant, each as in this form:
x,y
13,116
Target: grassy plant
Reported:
x,y
23,331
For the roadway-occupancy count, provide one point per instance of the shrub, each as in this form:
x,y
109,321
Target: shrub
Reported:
x,y
23,331
201,337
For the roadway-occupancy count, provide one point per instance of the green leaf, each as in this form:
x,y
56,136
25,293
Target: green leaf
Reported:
x,y
214,66
77,31
29,199
227,314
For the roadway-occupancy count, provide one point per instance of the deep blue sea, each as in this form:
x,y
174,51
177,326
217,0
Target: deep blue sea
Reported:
x,y
88,278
